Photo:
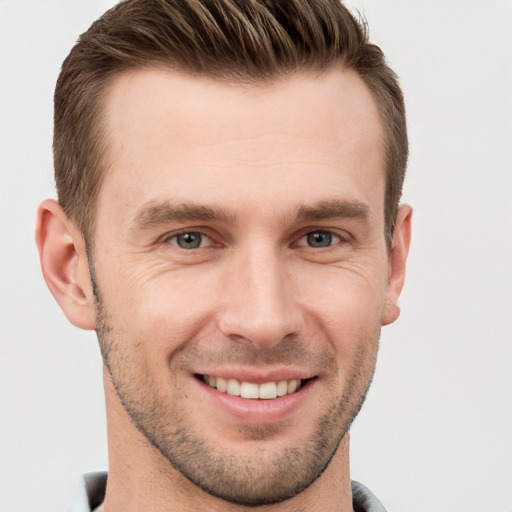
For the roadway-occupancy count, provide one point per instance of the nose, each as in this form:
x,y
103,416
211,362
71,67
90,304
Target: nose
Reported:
x,y
260,305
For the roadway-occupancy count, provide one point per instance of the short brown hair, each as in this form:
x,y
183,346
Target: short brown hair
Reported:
x,y
233,40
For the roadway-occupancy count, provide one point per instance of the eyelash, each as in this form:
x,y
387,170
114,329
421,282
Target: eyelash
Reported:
x,y
167,239
329,233
339,238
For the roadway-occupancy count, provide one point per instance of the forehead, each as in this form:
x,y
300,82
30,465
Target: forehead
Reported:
x,y
173,136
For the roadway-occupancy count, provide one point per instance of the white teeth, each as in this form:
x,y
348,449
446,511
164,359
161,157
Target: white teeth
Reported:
x,y
282,388
292,386
251,390
233,387
222,385
268,390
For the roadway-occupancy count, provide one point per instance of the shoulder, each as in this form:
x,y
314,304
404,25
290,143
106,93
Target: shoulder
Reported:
x,y
88,493
364,500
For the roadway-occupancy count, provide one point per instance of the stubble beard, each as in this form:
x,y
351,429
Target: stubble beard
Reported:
x,y
265,477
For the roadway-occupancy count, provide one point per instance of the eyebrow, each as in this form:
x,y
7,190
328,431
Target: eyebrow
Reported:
x,y
156,214
348,209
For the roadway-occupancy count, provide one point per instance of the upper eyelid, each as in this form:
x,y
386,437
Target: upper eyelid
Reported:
x,y
340,238
178,232
340,233
216,237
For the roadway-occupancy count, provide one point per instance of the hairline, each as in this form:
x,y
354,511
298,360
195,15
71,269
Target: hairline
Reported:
x,y
102,138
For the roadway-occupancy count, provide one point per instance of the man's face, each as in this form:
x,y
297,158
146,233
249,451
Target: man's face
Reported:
x,y
240,240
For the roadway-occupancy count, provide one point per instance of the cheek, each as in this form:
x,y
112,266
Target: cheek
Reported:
x,y
352,295
162,312
346,306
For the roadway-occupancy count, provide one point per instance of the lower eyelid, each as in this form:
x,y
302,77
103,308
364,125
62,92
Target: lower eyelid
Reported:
x,y
172,238
337,238
207,240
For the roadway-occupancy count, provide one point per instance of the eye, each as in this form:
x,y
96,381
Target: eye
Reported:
x,y
189,240
319,239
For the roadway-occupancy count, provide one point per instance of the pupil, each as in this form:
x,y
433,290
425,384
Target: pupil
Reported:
x,y
319,239
189,240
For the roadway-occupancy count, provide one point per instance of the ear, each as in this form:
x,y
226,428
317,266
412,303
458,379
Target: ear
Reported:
x,y
397,263
64,264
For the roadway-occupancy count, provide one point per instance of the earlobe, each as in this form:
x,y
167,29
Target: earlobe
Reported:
x,y
397,264
64,264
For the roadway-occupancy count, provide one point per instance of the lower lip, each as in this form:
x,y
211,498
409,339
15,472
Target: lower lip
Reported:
x,y
258,412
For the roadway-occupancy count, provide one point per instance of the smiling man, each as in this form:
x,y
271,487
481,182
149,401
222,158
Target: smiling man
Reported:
x,y
228,175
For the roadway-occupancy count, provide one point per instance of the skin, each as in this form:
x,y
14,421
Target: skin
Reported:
x,y
257,172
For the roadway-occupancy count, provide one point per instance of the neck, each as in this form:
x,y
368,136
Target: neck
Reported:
x,y
140,478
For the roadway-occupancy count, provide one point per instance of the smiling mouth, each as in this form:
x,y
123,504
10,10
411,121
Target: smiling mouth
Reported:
x,y
251,390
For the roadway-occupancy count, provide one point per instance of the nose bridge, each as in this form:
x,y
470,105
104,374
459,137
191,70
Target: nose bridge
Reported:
x,y
260,306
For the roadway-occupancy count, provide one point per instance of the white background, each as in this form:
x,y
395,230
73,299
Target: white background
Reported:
x,y
436,431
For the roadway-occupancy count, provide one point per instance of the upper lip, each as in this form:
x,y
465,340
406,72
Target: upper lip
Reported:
x,y
258,376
